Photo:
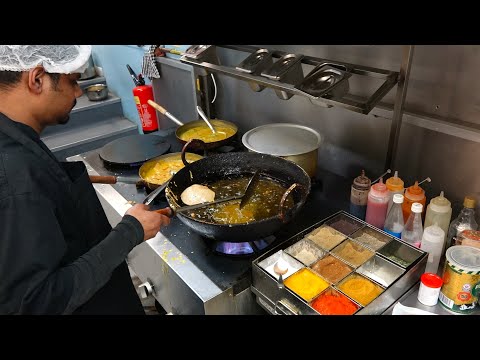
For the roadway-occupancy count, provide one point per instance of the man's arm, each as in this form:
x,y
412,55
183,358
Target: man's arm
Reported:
x,y
32,245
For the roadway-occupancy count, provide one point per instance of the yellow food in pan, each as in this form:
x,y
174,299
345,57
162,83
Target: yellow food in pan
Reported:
x,y
204,133
161,170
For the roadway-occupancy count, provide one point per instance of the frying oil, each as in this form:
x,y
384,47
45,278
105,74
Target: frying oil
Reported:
x,y
264,203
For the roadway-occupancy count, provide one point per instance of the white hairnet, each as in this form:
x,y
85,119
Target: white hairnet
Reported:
x,y
63,59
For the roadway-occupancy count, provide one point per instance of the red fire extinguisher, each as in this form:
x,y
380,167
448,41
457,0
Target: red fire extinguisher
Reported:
x,y
141,94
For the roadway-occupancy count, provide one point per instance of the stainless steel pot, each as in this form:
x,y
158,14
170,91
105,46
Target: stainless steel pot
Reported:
x,y
90,71
97,92
293,142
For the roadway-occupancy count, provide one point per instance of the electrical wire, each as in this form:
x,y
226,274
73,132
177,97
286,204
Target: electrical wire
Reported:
x,y
215,86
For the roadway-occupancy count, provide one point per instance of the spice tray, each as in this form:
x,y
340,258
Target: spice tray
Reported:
x,y
338,266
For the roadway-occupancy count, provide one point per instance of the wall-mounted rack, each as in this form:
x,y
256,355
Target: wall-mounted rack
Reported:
x,y
205,57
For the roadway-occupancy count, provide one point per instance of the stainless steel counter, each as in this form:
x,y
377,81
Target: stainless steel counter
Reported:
x,y
410,299
186,275
181,270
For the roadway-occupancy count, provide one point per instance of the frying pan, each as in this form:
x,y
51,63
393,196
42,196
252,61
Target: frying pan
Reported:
x,y
143,178
219,166
197,124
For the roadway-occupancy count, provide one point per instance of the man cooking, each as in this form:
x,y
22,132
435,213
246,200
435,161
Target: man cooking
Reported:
x,y
58,253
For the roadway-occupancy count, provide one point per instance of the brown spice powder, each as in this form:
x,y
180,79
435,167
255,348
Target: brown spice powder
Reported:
x,y
332,269
354,254
326,237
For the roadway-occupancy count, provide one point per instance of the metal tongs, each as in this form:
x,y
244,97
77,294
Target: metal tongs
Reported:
x,y
139,81
150,197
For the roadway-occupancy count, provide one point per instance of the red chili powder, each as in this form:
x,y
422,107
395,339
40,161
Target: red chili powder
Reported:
x,y
333,303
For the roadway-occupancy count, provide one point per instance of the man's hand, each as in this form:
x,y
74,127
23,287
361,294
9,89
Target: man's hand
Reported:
x,y
151,221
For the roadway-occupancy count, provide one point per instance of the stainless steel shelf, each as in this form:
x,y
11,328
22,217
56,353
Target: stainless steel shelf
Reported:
x,y
204,59
390,79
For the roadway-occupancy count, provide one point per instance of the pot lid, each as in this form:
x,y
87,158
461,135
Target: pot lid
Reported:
x,y
464,258
282,139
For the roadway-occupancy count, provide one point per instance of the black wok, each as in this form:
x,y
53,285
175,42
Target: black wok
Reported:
x,y
216,167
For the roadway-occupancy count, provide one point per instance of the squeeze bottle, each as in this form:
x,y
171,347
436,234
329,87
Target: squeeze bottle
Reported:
x,y
432,242
439,211
413,194
377,204
358,195
394,186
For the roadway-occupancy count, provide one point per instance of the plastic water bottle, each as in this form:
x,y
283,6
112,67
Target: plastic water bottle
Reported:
x,y
464,221
394,222
413,231
432,242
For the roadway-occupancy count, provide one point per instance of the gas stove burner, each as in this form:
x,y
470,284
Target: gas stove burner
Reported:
x,y
243,248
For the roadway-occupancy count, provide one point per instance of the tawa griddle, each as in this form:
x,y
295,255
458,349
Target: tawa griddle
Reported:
x,y
133,150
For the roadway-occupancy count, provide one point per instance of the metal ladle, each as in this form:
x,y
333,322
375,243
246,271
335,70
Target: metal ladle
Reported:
x,y
204,117
248,193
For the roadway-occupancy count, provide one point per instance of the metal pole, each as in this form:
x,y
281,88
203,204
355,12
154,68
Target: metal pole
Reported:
x,y
398,107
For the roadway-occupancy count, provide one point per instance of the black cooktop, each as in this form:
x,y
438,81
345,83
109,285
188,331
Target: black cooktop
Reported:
x,y
329,194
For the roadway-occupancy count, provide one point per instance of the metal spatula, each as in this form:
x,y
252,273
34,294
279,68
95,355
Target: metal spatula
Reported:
x,y
250,189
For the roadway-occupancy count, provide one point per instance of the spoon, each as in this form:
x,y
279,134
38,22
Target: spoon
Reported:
x,y
280,268
204,117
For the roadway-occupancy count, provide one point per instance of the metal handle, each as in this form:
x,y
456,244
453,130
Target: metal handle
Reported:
x,y
204,117
163,111
280,282
198,206
283,213
146,289
196,143
283,307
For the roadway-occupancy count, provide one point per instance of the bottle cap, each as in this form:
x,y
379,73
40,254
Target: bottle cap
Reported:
x,y
434,233
415,192
379,189
431,280
362,182
394,183
417,207
440,204
398,198
469,202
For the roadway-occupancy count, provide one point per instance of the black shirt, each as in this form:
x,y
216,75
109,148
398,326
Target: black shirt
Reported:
x,y
58,253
